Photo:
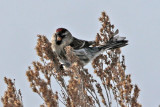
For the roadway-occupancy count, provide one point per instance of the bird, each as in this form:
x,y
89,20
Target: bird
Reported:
x,y
83,49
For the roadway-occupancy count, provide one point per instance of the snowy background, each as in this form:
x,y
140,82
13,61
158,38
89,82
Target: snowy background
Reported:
x,y
138,20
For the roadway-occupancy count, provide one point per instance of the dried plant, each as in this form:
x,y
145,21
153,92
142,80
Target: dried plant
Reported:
x,y
11,97
111,70
82,89
108,87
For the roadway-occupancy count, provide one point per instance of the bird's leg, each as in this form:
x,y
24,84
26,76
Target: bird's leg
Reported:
x,y
61,67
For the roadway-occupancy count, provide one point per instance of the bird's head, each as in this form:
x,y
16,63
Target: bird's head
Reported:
x,y
62,37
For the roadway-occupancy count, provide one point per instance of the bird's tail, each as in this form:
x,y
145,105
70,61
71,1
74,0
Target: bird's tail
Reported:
x,y
115,42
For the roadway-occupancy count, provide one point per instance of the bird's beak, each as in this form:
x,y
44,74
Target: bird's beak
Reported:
x,y
59,38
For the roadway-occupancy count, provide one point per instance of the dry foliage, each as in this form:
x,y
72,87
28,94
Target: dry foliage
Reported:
x,y
83,89
11,97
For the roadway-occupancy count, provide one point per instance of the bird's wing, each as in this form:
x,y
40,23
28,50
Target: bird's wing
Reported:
x,y
79,44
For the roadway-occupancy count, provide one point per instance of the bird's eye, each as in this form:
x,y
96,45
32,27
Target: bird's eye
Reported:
x,y
63,35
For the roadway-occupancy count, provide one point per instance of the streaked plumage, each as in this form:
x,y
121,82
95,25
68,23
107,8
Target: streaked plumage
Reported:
x,y
82,48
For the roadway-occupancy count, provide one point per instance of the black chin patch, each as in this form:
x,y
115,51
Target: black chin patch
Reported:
x,y
58,42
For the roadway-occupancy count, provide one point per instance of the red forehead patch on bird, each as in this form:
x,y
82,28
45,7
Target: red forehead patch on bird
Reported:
x,y
59,29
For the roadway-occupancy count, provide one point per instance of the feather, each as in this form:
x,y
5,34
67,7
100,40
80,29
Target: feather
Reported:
x,y
79,44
